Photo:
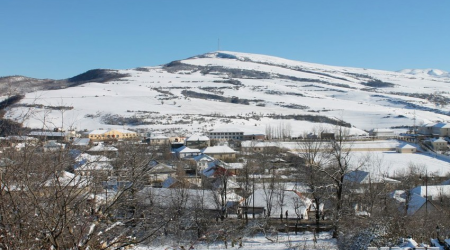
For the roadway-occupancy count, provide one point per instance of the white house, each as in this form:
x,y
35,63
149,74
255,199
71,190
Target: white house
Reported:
x,y
440,129
405,148
439,144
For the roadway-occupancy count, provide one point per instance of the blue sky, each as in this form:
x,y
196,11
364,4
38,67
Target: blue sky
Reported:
x,y
60,39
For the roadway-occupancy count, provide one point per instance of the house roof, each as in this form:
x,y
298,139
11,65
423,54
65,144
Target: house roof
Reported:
x,y
159,137
215,168
161,168
226,130
203,157
65,178
415,201
414,204
364,177
101,148
218,150
81,141
21,138
102,131
47,133
429,124
91,158
442,125
190,150
95,166
54,144
197,138
405,145
438,140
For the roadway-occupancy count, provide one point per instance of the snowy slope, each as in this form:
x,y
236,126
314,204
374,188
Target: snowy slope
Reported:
x,y
426,72
248,91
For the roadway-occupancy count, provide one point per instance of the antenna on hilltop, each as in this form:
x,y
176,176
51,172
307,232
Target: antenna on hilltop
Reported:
x,y
218,44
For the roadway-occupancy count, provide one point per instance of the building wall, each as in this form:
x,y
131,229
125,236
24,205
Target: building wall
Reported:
x,y
223,156
439,145
254,137
226,135
159,141
406,150
112,134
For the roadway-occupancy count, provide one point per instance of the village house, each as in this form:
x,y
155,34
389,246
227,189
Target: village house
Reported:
x,y
160,172
97,169
185,152
439,144
53,146
111,134
197,141
220,152
81,142
414,205
93,165
441,129
259,146
177,139
405,148
437,130
102,149
426,129
159,140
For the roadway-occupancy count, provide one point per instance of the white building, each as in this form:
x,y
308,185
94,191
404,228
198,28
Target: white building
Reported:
x,y
226,134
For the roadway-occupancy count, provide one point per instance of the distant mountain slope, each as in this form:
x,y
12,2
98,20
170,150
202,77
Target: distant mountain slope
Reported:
x,y
426,72
23,84
247,91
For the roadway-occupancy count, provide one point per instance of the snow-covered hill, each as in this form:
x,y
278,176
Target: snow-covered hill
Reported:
x,y
247,91
426,72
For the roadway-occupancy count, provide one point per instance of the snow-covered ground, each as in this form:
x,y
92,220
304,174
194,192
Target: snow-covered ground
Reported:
x,y
293,88
285,241
372,156
394,164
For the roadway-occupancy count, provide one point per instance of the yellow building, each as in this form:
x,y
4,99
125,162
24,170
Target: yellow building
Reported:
x,y
111,134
